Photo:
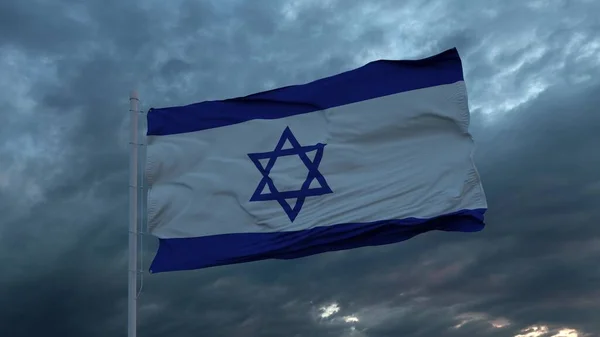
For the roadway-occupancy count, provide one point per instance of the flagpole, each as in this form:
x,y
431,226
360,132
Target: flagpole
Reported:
x,y
133,217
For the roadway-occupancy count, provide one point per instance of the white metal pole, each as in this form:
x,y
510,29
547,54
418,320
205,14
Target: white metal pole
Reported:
x,y
133,217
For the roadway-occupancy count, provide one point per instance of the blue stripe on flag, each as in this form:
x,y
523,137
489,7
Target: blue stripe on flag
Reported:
x,y
209,251
375,79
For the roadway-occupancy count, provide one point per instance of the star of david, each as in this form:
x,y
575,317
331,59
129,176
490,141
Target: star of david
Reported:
x,y
306,190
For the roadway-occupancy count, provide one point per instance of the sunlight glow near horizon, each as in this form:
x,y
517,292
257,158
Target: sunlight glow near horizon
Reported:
x,y
350,319
542,330
329,310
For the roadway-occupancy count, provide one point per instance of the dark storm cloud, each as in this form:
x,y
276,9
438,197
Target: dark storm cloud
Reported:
x,y
37,24
68,67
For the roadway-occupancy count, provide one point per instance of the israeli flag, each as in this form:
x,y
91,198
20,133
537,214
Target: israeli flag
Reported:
x,y
371,156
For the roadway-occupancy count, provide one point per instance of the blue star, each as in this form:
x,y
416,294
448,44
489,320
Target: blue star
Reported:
x,y
305,191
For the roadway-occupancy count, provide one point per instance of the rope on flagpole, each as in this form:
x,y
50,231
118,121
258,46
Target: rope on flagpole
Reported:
x,y
142,227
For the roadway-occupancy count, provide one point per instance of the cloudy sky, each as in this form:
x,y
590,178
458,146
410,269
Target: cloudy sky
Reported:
x,y
532,69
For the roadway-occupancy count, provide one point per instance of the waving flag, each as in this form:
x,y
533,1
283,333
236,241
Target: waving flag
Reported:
x,y
371,156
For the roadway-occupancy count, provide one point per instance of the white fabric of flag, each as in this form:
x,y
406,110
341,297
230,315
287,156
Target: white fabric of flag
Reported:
x,y
371,156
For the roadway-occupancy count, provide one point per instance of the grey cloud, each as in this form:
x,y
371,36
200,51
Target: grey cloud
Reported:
x,y
533,265
35,25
